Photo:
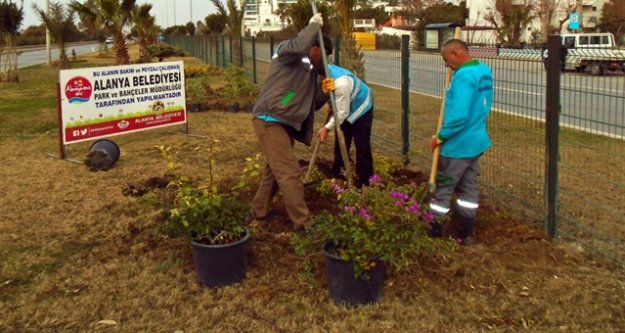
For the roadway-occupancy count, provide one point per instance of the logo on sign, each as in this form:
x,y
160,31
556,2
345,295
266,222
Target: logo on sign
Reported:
x,y
82,132
574,20
78,90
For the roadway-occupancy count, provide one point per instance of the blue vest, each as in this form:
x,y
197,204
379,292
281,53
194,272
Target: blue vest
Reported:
x,y
361,100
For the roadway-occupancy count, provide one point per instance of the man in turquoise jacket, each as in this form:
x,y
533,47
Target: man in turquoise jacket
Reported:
x,y
462,138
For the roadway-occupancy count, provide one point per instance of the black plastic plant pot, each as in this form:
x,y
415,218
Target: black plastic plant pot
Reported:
x,y
221,265
195,107
102,155
235,107
345,288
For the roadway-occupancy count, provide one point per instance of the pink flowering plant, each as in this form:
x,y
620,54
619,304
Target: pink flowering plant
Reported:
x,y
383,221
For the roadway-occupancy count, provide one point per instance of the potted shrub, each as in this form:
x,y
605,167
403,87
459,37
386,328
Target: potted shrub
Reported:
x,y
378,226
195,94
212,219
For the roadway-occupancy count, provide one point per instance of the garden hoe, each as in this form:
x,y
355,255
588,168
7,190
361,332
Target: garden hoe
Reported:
x,y
339,132
441,116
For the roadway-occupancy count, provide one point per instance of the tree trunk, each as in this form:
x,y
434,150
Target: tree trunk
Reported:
x,y
121,52
8,71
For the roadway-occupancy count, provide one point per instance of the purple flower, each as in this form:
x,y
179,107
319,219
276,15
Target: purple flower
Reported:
x,y
364,214
399,195
375,179
350,209
414,208
337,189
428,216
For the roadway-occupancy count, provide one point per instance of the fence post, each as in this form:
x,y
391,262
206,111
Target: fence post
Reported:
x,y
552,124
241,51
223,51
405,99
254,58
270,47
230,48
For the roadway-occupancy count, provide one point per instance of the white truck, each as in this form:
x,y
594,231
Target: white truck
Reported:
x,y
596,52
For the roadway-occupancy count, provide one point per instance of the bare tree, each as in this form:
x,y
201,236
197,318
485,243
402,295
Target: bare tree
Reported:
x,y
509,17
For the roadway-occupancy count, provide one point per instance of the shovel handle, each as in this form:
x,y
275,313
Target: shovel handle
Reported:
x,y
311,163
441,116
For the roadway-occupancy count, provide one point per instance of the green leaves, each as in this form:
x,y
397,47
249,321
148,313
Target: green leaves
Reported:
x,y
199,208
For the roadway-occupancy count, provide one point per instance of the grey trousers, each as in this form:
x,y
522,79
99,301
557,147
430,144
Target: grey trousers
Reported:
x,y
281,172
457,176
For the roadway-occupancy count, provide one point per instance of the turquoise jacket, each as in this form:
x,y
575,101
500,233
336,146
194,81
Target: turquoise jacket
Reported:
x,y
468,101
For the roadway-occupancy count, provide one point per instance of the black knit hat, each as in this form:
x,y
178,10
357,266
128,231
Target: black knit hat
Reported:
x,y
327,43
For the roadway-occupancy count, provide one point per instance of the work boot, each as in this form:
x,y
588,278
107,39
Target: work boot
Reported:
x,y
300,228
269,218
436,230
467,226
467,241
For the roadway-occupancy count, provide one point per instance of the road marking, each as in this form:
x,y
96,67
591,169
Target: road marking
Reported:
x,y
582,88
520,91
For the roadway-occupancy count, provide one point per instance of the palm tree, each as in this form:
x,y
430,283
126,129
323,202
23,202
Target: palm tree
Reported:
x,y
10,21
234,14
114,15
60,23
93,27
282,12
144,26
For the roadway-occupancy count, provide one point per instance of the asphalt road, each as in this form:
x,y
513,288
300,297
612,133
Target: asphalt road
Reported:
x,y
38,56
591,103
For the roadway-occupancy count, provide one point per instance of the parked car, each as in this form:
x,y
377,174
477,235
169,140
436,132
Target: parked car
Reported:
x,y
109,41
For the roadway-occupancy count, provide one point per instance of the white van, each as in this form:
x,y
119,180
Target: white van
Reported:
x,y
596,52
588,40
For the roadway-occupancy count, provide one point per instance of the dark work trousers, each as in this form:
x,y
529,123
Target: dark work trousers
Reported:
x,y
457,175
281,173
360,132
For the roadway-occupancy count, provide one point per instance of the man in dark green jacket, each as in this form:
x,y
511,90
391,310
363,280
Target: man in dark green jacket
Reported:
x,y
283,113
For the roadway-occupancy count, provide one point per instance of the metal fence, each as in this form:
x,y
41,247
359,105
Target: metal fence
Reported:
x,y
586,176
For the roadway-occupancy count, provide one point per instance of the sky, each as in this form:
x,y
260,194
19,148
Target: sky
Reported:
x,y
167,12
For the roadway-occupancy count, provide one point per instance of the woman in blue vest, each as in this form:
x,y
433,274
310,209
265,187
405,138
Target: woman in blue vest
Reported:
x,y
354,103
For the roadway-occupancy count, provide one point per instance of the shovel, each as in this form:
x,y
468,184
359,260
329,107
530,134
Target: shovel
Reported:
x,y
339,133
441,116
313,157
311,163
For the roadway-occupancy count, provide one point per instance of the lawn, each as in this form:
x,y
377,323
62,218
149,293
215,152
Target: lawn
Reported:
x,y
78,255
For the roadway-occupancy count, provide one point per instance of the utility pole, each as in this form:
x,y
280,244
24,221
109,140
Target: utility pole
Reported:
x,y
191,11
48,51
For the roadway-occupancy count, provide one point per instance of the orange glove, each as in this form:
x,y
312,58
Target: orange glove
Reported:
x,y
328,85
435,142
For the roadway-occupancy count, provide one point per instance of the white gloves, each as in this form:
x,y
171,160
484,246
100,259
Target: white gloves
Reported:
x,y
317,19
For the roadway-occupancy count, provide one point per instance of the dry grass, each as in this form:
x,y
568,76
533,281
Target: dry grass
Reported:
x,y
74,251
